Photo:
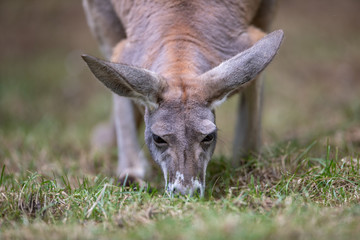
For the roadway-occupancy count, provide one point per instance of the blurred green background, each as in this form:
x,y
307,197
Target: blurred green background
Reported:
x,y
49,101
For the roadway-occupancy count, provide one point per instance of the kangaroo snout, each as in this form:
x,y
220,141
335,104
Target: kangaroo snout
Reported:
x,y
182,186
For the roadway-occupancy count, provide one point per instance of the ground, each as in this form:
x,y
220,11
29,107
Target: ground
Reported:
x,y
303,185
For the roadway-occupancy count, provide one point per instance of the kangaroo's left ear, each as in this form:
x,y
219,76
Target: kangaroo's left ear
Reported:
x,y
127,81
232,74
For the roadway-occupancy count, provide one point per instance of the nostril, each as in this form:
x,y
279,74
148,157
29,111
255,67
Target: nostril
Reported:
x,y
198,191
179,190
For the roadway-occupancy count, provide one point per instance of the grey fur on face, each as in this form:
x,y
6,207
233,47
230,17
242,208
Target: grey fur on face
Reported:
x,y
188,138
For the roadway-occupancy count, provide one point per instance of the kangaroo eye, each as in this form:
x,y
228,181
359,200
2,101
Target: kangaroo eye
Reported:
x,y
209,138
158,140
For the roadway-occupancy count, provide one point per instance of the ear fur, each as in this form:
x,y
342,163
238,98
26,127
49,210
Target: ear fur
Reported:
x,y
232,74
127,81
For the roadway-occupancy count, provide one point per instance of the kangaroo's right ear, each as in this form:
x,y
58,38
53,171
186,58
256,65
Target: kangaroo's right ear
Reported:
x,y
234,73
137,83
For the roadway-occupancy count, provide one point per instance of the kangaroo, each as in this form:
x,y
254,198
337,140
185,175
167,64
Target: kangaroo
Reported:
x,y
179,59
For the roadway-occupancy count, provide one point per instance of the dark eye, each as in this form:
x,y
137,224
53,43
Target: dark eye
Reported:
x,y
209,138
158,140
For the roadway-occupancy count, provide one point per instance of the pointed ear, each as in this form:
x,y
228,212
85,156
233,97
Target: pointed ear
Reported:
x,y
139,84
232,74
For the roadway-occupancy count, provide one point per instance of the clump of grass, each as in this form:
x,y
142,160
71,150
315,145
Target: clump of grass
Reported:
x,y
53,200
329,179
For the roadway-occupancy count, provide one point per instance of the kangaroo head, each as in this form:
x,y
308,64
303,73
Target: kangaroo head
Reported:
x,y
181,132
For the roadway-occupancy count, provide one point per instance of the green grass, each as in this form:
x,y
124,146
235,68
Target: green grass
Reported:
x,y
287,192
